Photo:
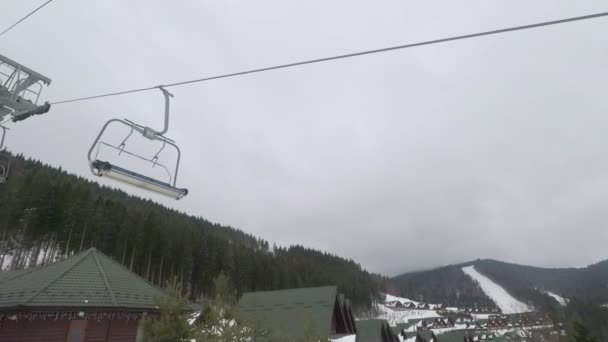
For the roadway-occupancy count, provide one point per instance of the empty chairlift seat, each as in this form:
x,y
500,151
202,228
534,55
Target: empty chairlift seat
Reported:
x,y
103,168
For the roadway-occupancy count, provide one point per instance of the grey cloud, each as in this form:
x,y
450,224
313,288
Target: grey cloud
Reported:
x,y
493,147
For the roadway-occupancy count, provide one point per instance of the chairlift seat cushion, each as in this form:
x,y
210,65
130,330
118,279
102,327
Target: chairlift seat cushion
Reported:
x,y
105,167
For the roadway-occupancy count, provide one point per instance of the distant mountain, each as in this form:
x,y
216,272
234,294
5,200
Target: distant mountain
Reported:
x,y
534,286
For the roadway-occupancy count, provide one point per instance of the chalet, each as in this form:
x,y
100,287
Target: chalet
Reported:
x,y
375,330
454,336
426,336
403,329
409,305
293,313
443,323
86,297
392,304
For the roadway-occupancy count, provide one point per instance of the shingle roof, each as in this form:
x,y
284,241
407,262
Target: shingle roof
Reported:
x,y
87,279
293,312
453,336
375,330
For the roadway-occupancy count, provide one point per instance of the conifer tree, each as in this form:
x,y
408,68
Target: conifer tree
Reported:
x,y
172,323
581,333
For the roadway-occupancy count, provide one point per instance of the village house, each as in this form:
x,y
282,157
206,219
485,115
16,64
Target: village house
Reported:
x,y
296,313
375,330
86,297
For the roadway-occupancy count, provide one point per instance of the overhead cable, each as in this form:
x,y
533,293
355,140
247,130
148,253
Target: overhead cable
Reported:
x,y
27,16
350,55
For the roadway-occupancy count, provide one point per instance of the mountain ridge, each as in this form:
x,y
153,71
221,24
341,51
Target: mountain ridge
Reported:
x,y
472,262
530,284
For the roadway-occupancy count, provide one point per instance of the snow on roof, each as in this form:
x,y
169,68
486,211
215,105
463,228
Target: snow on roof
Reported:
x,y
499,295
347,338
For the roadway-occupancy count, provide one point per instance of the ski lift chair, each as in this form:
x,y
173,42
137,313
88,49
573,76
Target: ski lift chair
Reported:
x,y
20,89
103,168
5,161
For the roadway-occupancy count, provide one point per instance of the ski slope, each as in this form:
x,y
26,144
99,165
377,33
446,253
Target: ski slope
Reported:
x,y
500,296
561,300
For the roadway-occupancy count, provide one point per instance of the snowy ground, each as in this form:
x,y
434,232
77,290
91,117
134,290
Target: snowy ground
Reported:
x,y
455,327
402,316
502,298
348,338
8,259
502,332
477,316
561,300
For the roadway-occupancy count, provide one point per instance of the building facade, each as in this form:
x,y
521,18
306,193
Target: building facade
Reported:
x,y
87,297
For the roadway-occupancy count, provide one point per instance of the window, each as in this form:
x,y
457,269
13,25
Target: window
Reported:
x,y
77,331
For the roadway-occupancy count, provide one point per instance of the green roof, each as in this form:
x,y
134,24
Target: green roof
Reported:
x,y
85,280
6,275
374,330
294,313
453,336
427,335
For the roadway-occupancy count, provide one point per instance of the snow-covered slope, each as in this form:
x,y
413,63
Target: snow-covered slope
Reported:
x,y
395,317
500,296
561,300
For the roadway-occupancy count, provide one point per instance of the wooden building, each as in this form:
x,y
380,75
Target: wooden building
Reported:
x,y
87,297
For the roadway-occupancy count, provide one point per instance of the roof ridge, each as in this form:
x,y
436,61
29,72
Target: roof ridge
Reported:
x,y
57,277
128,270
105,278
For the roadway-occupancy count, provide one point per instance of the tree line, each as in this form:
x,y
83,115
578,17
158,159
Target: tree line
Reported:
x,y
47,214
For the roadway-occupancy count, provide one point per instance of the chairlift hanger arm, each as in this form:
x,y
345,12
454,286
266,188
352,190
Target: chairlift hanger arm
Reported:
x,y
151,133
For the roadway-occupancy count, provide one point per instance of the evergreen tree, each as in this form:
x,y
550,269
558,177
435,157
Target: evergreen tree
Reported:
x,y
219,320
172,323
581,333
47,213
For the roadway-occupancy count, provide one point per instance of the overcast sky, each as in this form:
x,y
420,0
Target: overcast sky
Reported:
x,y
495,147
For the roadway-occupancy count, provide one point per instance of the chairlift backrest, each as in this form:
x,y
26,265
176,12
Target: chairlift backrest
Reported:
x,y
103,168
